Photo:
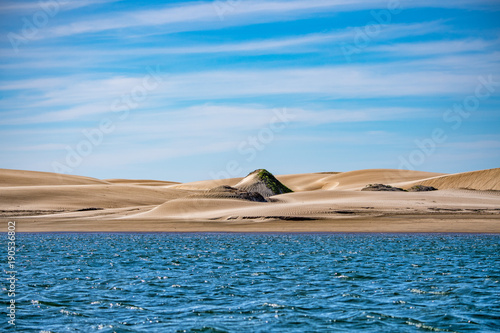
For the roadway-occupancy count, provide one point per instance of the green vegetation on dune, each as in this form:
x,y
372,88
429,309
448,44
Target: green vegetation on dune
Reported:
x,y
274,184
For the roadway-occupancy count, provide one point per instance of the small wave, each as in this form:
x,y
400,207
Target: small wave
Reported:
x,y
243,282
418,291
274,305
428,327
70,313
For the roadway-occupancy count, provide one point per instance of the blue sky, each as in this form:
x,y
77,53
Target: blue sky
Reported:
x,y
189,90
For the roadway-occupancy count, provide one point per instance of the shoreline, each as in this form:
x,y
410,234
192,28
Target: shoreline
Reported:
x,y
442,223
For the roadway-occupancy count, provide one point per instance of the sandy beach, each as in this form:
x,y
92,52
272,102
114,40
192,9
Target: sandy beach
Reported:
x,y
320,202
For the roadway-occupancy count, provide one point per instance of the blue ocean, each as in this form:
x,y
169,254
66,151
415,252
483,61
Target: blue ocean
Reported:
x,y
125,282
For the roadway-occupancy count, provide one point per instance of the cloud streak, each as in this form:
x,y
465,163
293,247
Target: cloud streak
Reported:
x,y
28,7
338,82
203,15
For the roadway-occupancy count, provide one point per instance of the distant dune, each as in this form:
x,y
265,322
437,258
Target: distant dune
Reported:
x,y
352,180
464,202
34,178
474,180
143,182
204,185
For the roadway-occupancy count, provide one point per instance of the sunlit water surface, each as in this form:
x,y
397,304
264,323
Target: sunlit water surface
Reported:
x,y
256,283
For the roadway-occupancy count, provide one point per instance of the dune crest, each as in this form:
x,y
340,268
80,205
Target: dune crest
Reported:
x,y
9,177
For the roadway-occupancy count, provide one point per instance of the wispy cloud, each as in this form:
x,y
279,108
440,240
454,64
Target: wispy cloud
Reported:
x,y
198,14
62,57
334,82
203,15
330,82
439,47
27,7
208,119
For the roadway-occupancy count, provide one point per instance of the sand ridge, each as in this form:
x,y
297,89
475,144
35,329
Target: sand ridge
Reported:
x,y
10,177
476,180
142,182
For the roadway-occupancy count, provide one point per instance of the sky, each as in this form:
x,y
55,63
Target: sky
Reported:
x,y
190,90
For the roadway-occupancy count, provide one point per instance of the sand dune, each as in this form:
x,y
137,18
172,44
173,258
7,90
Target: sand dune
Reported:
x,y
196,208
475,180
306,181
356,180
29,190
351,180
34,178
228,192
83,196
141,182
325,204
204,185
41,201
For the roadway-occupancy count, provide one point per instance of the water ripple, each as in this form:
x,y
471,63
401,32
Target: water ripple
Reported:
x,y
256,282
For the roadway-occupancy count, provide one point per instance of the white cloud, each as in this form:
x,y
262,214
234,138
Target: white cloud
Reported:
x,y
62,5
205,120
332,82
42,58
474,145
74,98
204,15
437,47
121,156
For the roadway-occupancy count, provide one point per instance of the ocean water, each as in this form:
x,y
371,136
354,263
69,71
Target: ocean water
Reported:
x,y
255,283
